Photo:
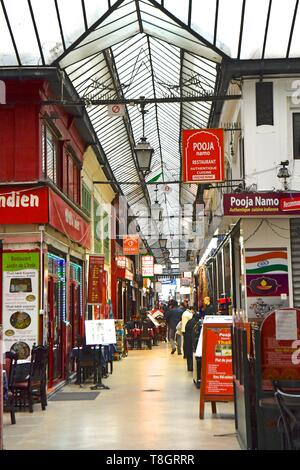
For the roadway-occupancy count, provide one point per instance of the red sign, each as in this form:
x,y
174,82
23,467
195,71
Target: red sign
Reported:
x,y
66,220
203,155
218,379
95,281
24,205
131,245
147,266
261,204
216,372
121,262
290,204
280,359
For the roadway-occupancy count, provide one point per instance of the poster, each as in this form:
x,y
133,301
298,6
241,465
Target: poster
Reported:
x,y
20,302
280,358
267,281
218,357
100,332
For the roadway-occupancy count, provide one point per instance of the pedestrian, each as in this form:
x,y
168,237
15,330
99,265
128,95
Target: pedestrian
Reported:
x,y
186,316
173,317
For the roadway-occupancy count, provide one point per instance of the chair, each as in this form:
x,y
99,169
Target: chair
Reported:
x,y
10,367
289,406
34,384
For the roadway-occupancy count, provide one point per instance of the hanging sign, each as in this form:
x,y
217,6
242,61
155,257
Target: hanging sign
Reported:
x,y
147,266
20,302
116,110
158,269
216,371
121,262
203,155
131,245
167,189
95,280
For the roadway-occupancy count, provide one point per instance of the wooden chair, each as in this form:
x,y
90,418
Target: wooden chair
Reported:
x,y
10,367
34,384
289,406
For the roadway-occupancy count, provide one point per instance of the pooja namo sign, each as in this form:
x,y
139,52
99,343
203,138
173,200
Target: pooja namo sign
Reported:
x,y
203,155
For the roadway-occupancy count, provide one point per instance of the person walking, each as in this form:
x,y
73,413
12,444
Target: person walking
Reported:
x,y
186,316
173,317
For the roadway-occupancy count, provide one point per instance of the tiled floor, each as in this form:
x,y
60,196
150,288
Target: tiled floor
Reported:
x,y
127,416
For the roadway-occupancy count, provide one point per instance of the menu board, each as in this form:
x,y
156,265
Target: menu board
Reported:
x,y
100,332
216,370
20,302
280,346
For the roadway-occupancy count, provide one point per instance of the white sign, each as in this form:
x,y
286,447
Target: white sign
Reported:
x,y
286,324
158,287
158,269
20,302
187,275
116,110
211,319
100,332
147,266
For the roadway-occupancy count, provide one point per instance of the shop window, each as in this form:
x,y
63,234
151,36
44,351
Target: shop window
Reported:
x,y
264,104
296,135
71,176
86,200
50,154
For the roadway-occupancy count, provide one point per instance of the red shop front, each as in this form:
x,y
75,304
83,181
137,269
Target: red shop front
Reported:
x,y
37,219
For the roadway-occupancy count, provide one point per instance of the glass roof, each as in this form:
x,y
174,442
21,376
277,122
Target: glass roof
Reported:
x,y
125,49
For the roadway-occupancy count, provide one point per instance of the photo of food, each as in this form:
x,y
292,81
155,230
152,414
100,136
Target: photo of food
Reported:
x,y
20,320
9,333
20,285
21,349
30,298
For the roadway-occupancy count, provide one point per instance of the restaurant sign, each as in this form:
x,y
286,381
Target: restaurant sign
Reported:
x,y
67,220
24,205
203,155
256,204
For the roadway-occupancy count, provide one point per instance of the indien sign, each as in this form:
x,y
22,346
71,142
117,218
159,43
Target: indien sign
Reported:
x,y
247,204
24,205
203,155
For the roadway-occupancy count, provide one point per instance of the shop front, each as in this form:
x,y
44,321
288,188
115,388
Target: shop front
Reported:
x,y
42,274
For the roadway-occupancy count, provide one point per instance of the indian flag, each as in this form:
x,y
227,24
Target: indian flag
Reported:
x,y
262,262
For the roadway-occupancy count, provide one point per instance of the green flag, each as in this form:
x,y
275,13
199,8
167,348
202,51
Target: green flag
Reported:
x,y
156,178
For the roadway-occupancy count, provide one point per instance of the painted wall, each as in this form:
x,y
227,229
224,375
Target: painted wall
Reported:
x,y
102,194
267,146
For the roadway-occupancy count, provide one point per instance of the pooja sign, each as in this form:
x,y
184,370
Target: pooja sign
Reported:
x,y
20,302
203,155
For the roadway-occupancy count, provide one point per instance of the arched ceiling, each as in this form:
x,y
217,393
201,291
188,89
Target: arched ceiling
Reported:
x,y
165,51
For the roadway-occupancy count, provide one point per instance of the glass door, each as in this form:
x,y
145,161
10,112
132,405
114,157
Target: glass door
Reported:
x,y
54,331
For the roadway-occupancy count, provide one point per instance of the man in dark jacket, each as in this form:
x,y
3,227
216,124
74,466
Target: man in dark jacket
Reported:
x,y
173,317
